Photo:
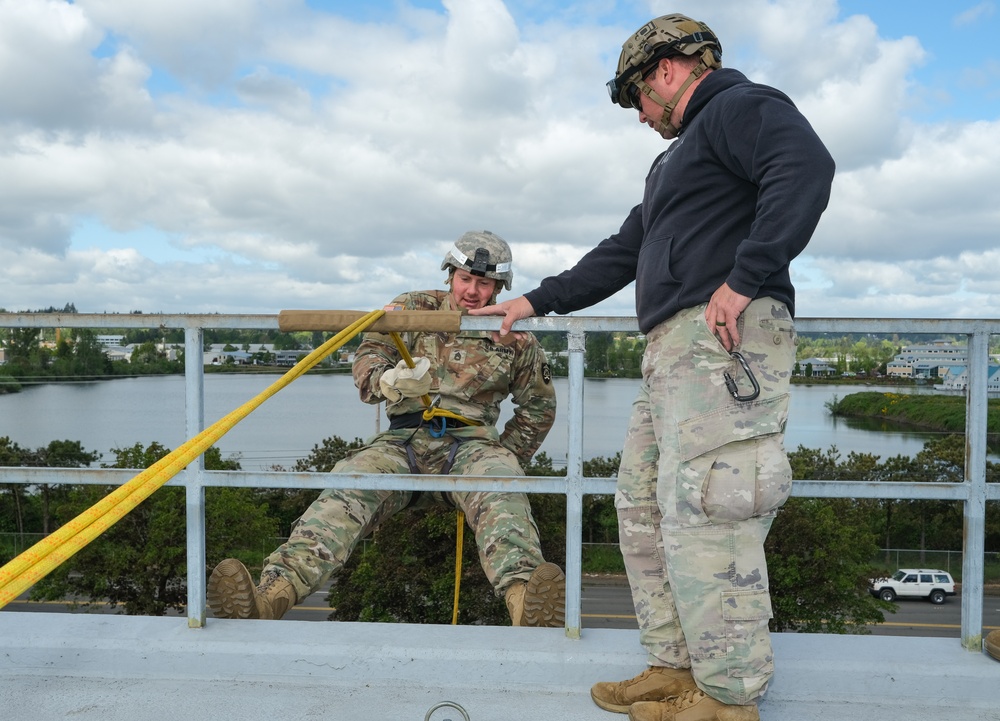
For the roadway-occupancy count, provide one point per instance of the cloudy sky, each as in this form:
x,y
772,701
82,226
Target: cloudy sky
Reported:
x,y
254,155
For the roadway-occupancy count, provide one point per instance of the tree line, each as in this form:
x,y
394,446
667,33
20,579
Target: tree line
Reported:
x,y
822,552
76,356
607,354
32,357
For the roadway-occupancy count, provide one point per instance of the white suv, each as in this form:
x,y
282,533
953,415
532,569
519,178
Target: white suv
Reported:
x,y
927,583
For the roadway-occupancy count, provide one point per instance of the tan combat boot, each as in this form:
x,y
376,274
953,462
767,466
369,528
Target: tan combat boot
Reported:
x,y
232,593
992,644
541,601
692,705
656,683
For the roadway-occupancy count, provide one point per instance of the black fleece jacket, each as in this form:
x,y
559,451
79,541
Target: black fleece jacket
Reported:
x,y
733,199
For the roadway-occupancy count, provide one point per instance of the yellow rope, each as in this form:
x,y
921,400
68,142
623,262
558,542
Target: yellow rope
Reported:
x,y
35,563
460,535
404,351
430,410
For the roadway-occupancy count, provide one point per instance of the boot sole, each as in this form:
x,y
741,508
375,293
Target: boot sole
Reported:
x,y
613,707
231,591
993,649
545,597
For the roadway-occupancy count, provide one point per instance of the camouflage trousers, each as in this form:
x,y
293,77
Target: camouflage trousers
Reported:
x,y
701,477
324,537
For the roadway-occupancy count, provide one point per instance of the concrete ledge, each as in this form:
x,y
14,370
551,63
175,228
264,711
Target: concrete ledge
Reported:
x,y
108,668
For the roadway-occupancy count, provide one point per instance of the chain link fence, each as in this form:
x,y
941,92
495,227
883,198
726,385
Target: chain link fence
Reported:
x,y
606,558
951,561
14,544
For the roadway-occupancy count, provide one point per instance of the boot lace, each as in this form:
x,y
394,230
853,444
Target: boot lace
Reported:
x,y
687,698
267,580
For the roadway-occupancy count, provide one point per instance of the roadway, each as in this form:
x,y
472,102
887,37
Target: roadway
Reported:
x,y
608,604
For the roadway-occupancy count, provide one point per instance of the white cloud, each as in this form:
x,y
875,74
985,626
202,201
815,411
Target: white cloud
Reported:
x,y
926,203
962,286
297,158
49,78
974,14
204,42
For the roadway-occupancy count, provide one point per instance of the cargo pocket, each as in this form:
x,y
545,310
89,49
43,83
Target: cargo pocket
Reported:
x,y
748,645
733,465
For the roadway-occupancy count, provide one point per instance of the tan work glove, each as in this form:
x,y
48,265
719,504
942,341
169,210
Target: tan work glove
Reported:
x,y
405,382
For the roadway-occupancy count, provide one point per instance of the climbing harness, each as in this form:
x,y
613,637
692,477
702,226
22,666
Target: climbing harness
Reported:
x,y
32,565
433,418
731,384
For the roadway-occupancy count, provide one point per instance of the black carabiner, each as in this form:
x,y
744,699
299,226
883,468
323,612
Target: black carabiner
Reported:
x,y
731,384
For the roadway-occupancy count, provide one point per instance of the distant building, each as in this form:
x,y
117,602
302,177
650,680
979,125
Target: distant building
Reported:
x,y
110,340
927,361
217,355
288,357
119,353
821,368
957,378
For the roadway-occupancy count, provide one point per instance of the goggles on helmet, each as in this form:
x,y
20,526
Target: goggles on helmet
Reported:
x,y
631,92
623,88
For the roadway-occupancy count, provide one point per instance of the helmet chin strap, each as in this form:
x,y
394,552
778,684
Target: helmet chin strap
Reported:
x,y
663,126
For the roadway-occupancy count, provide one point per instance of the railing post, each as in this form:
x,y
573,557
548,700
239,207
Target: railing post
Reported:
x,y
574,484
974,531
194,405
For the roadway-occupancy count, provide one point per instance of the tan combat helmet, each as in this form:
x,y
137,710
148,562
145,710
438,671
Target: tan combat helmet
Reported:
x,y
662,38
484,254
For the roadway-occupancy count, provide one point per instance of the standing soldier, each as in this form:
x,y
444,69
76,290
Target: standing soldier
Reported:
x,y
470,375
727,206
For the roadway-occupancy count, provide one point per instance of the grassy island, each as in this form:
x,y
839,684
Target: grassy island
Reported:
x,y
936,412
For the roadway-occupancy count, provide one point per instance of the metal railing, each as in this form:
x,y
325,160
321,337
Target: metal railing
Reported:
x,y
973,492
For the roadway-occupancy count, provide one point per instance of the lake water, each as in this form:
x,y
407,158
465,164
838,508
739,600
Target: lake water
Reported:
x,y
120,413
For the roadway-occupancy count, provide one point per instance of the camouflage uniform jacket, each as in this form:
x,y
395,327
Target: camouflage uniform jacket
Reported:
x,y
472,374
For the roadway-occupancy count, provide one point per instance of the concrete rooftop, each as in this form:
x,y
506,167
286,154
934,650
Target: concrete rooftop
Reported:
x,y
127,668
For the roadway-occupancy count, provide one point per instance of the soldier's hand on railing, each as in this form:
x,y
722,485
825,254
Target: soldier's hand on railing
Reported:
x,y
513,310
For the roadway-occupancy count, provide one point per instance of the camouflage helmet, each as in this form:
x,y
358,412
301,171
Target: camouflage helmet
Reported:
x,y
660,38
481,253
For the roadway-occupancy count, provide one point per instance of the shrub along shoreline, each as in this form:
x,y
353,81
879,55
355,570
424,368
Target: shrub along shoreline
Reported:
x,y
935,412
